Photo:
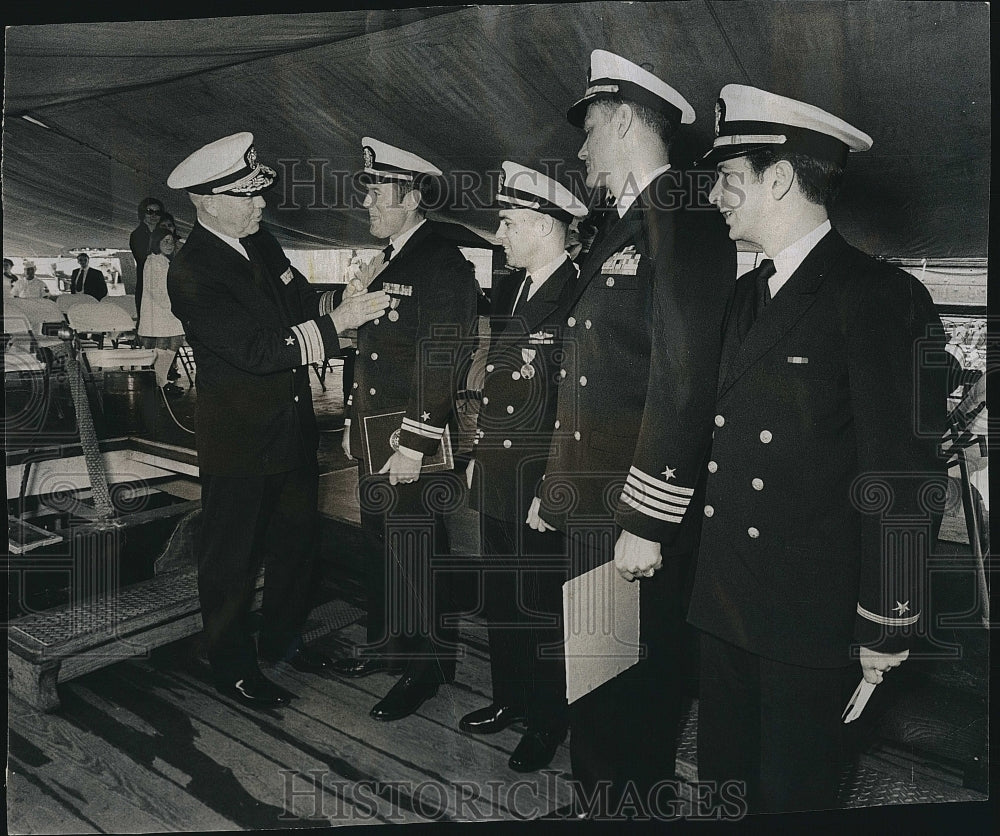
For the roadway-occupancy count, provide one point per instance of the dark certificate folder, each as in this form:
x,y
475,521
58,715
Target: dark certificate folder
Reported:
x,y
380,439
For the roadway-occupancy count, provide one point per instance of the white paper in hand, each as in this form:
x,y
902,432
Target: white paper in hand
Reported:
x,y
856,704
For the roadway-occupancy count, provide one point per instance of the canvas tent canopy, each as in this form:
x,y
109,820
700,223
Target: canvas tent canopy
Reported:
x,y
97,114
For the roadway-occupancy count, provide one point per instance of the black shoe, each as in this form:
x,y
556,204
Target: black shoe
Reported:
x,y
256,691
311,661
495,717
357,668
535,751
406,696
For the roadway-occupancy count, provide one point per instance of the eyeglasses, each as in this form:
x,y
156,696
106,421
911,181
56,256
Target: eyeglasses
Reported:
x,y
154,211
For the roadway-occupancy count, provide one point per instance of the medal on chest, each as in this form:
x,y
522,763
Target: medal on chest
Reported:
x,y
528,356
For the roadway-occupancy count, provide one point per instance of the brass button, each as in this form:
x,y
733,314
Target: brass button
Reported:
x,y
557,425
571,322
753,532
489,367
587,323
576,435
374,355
583,380
765,436
506,442
371,391
758,484
709,510
610,282
719,420
510,409
712,467
485,401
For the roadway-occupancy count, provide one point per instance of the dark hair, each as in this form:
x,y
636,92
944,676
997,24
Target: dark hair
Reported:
x,y
664,125
430,188
156,236
819,180
145,203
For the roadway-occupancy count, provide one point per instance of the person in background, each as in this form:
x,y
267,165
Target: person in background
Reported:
x,y
255,325
8,278
28,287
150,212
86,279
158,327
824,473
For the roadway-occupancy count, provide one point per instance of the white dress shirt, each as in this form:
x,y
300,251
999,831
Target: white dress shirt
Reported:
x,y
628,198
788,260
539,277
233,242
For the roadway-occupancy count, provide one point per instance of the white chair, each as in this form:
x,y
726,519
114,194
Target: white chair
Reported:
x,y
65,301
41,313
99,321
126,303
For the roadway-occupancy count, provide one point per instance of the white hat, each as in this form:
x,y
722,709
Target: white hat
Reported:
x,y
387,162
226,166
524,188
747,118
612,75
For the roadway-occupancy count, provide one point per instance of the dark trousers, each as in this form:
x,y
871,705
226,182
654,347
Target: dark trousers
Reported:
x,y
625,731
774,726
249,522
521,583
409,580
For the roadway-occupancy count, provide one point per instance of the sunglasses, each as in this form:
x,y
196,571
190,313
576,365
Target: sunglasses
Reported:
x,y
154,211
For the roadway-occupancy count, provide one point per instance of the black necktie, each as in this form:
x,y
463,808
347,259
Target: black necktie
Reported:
x,y
387,252
79,281
764,272
522,297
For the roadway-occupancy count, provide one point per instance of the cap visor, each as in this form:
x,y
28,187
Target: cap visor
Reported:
x,y
578,112
729,152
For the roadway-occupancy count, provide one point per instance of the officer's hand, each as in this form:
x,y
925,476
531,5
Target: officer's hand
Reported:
x,y
345,442
402,469
355,311
874,664
636,557
534,520
353,288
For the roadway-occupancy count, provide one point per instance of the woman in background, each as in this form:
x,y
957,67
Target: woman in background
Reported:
x,y
158,327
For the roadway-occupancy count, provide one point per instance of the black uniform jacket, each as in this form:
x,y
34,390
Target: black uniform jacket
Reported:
x,y
520,393
410,363
93,283
636,407
829,412
254,330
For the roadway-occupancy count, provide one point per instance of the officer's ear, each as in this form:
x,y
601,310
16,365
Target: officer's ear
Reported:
x,y
411,200
544,224
782,176
622,119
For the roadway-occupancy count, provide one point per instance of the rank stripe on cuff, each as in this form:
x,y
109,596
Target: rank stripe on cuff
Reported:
x,y
426,430
887,621
646,498
310,340
644,480
650,512
326,302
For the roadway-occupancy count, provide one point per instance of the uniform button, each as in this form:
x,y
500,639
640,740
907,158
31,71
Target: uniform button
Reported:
x,y
719,420
485,401
712,467
515,375
296,399
375,322
587,323
758,484
557,425
753,532
506,442
709,510
562,373
583,380
489,367
610,281
576,435
371,391
571,322
354,385
510,409
374,355
765,436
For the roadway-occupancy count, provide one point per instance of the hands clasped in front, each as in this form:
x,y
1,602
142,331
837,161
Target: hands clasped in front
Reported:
x,y
402,469
357,309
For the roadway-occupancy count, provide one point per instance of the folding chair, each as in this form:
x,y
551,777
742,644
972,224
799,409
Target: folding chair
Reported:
x,y
126,303
98,320
186,357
